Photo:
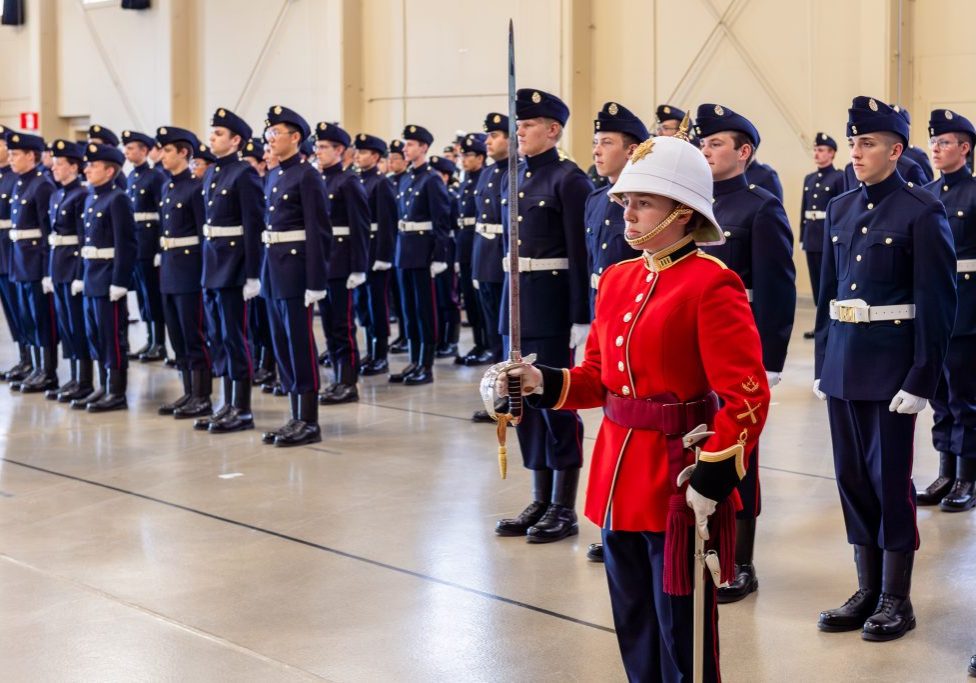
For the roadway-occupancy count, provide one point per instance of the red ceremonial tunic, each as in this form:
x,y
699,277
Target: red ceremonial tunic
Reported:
x,y
678,324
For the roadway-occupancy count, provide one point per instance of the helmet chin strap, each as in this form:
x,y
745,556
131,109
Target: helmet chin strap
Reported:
x,y
677,212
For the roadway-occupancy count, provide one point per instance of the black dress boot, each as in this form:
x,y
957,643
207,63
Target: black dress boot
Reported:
x,y
269,436
541,495
398,377
157,346
82,402
84,386
67,387
595,552
893,617
199,404
114,399
307,430
379,365
265,371
239,417
745,580
48,378
344,390
203,424
937,490
484,357
852,614
35,373
961,497
399,345
424,373
168,408
559,522
23,368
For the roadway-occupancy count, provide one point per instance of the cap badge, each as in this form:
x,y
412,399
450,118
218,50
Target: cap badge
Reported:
x,y
323,126
948,114
162,131
221,113
497,118
872,105
60,144
126,133
667,109
413,129
15,138
92,149
613,109
277,110
536,97
96,128
250,147
719,111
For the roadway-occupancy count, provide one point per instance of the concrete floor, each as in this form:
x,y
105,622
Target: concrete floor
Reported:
x,y
135,549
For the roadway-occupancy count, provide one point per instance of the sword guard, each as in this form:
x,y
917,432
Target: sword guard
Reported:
x,y
488,380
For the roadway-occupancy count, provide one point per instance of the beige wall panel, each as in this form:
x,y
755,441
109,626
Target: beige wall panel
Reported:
x,y
416,71
301,68
19,62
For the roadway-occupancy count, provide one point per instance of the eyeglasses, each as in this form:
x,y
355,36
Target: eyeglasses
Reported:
x,y
936,143
272,133
667,129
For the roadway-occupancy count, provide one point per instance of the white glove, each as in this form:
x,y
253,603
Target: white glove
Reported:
x,y
355,279
531,380
252,287
116,293
474,283
47,286
702,507
313,295
437,267
77,287
907,404
457,267
816,390
382,265
157,259
577,336
773,378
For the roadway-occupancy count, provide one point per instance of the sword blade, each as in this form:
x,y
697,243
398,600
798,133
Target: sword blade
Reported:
x,y
514,310
698,604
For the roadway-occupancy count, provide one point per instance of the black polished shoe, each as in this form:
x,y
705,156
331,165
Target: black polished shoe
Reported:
x,y
306,430
378,366
893,617
960,498
22,369
47,380
486,357
278,390
399,345
134,355
557,523
972,666
79,392
239,417
197,406
423,375
595,552
364,361
852,614
82,402
153,354
170,362
203,424
481,416
66,388
325,360
339,393
809,335
446,350
937,490
262,376
517,526
398,377
168,408
114,398
744,583
290,426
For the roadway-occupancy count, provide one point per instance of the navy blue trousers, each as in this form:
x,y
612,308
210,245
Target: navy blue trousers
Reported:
x,y
419,320
227,330
873,453
294,344
749,489
472,307
954,402
71,322
339,323
550,439
490,299
448,306
106,324
654,630
814,262
259,326
37,316
372,304
187,330
11,309
146,280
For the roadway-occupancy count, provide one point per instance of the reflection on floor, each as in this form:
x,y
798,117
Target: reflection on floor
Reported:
x,y
133,548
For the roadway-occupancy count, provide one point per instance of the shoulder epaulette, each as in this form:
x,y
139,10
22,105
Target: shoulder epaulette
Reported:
x,y
718,261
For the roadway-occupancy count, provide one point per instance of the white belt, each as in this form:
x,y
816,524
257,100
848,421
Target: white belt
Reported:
x,y
858,311
413,226
6,224
966,265
374,227
61,240
532,264
340,231
141,216
489,230
594,280
34,234
96,253
467,222
176,242
223,231
815,215
749,295
274,237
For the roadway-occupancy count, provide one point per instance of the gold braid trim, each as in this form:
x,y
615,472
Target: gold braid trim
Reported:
x,y
736,451
564,392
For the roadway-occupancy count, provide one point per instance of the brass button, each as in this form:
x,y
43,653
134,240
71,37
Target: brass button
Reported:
x,y
294,251
729,234
864,230
834,238
606,221
625,390
853,286
870,206
888,240
619,341
650,276
858,257
628,316
639,297
603,246
620,365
